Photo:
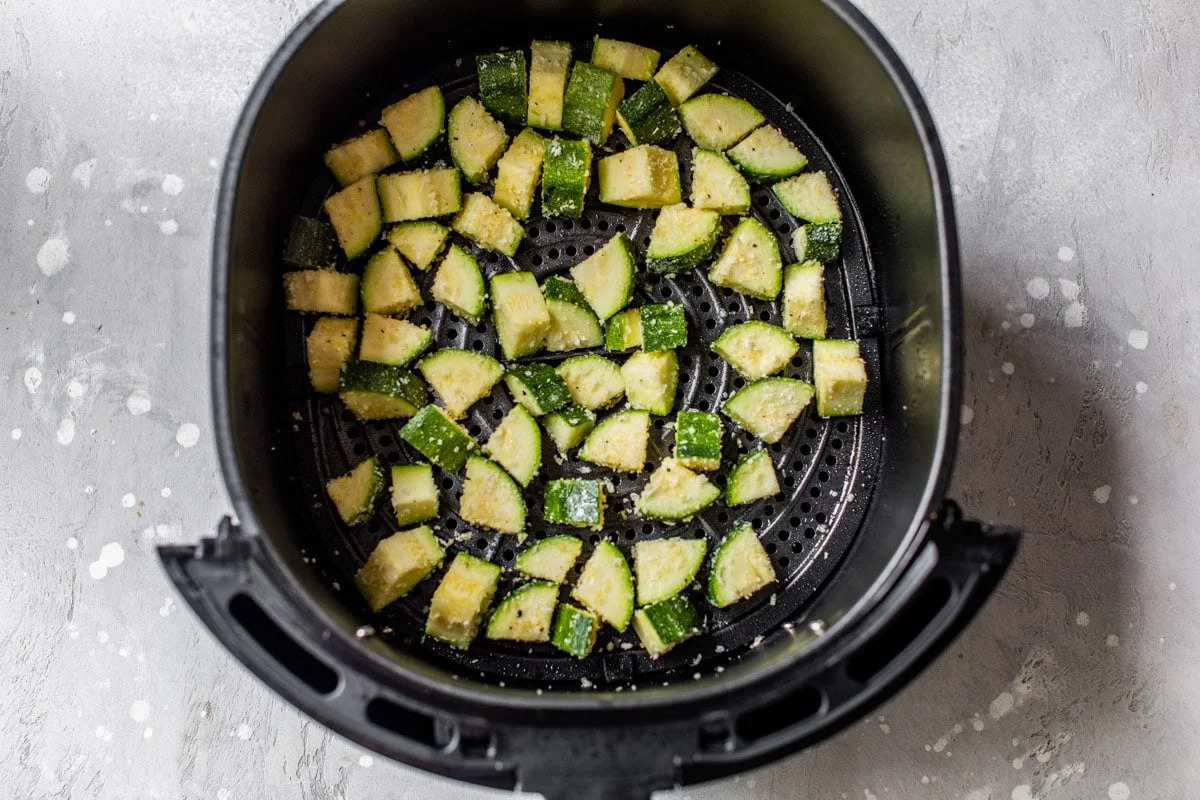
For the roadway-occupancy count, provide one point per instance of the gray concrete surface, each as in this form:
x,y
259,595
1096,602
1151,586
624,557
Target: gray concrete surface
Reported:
x,y
1071,130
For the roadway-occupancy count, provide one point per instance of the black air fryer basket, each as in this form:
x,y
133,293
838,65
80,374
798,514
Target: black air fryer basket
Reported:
x,y
877,571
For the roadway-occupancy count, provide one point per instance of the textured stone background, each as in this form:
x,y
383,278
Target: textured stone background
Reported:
x,y
1071,130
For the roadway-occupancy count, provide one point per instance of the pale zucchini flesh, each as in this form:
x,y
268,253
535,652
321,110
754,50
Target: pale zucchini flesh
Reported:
x,y
516,445
421,194
477,139
809,196
361,156
651,380
328,346
356,493
718,121
629,60
756,349
768,407
387,340
491,498
519,172
522,319
356,216
458,285
675,493
414,494
767,155
619,442
717,185
415,122
684,73
749,262
461,599
739,568
460,378
526,614
488,224
593,381
646,176
753,478
665,567
605,585
550,559
397,564
549,64
804,300
419,241
605,278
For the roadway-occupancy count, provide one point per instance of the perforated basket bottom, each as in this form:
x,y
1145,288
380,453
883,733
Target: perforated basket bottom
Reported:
x,y
827,468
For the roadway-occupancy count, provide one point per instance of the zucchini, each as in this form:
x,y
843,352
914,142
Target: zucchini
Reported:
x,y
593,381
321,291
537,387
550,559
526,614
311,243
767,155
818,242
356,493
328,347
804,300
556,288
568,426
387,286
414,494
718,121
753,478
440,439
522,319
628,60
756,349
665,567
605,585
651,380
460,378
566,176
397,564
841,377
682,238
684,74
717,185
488,224
675,493
356,216
768,407
386,340
619,442
461,600
516,445
667,623
518,173
740,567
576,502
477,139
809,196
458,285
646,176
698,436
750,262
491,498
549,64
415,122
419,241
574,631
420,194
380,391
647,116
502,84
363,155
573,326
664,327
590,104
605,277
624,331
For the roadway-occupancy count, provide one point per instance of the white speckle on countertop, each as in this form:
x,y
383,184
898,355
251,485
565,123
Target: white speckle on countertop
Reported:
x,y
72,543
139,711
188,434
224,794
1133,500
128,500
1022,792
1038,288
1101,493
172,184
53,255
37,180
1001,705
1066,254
66,431
1028,320
103,733
1171,586
1113,640
138,403
968,414
1140,387
68,317
1075,315
168,227
1082,619
1007,368
1118,791
82,174
1005,325
1068,288
166,491
16,434
1138,339
167,607
111,555
243,732
76,389
977,725
365,761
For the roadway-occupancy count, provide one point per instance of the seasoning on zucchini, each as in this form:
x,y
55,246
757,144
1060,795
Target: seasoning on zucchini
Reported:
x,y
718,121
651,380
646,176
804,300
491,498
387,340
756,349
593,381
569,426
460,378
526,614
440,439
753,478
682,238
355,215
518,173
698,437
619,442
477,139
461,600
419,241
675,493
590,103
414,494
356,493
768,407
740,567
841,377
632,61
329,345
647,116
522,319
666,623
574,630
537,387
576,502
550,559
415,122
488,224
767,155
502,84
516,445
420,194
818,242
566,176
750,262
549,64
321,291
311,243
809,196
624,331
380,391
573,326
717,185
664,327
665,567
684,74
605,277
361,156
458,285
387,285
397,564
605,585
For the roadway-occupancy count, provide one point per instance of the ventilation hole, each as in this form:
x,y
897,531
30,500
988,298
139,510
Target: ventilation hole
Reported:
x,y
697,291
811,433
784,535
647,529
451,523
702,404
409,724
659,422
481,543
477,346
705,307
534,232
805,507
820,517
289,653
567,224
722,517
570,250
794,522
594,538
770,548
733,308
830,461
497,414
393,458
777,448
713,372
492,258
347,416
552,254
447,483
822,476
536,260
797,362
773,213
550,227
645,241
686,360
769,510
360,450
789,481
837,444
797,547
588,250
630,534
797,465
815,491
710,324
764,315
756,523
475,430
762,200
739,382
621,227
507,555
842,427
710,388
805,449
809,533
602,225
585,223
783,562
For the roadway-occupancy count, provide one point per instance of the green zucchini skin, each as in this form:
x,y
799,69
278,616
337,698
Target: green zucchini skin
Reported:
x,y
502,86
647,116
589,106
439,438
381,391
576,502
566,176
537,387
664,327
698,439
311,243
818,242
574,630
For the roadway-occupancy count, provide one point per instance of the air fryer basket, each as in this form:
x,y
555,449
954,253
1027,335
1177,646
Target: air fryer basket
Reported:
x,y
876,572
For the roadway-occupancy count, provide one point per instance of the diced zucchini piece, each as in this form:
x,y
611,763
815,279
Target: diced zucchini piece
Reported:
x,y
488,224
628,60
675,493
461,600
619,442
458,285
516,445
590,104
556,288
491,498
605,277
537,387
740,567
651,380
804,300
767,155
750,262
665,567
572,327
718,121
440,439
666,623
380,391
818,242
397,564
415,122
550,559
624,331
841,377
522,319
809,196
526,614
566,176
605,585
684,74
574,631
756,349
321,291
753,478
647,116
717,185
328,347
419,241
518,173
460,378
386,340
356,493
387,285
549,64
569,426
664,327
646,176
355,215
311,243
502,84
593,381
361,156
698,436
414,494
576,502
477,139
768,407
682,238
420,194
